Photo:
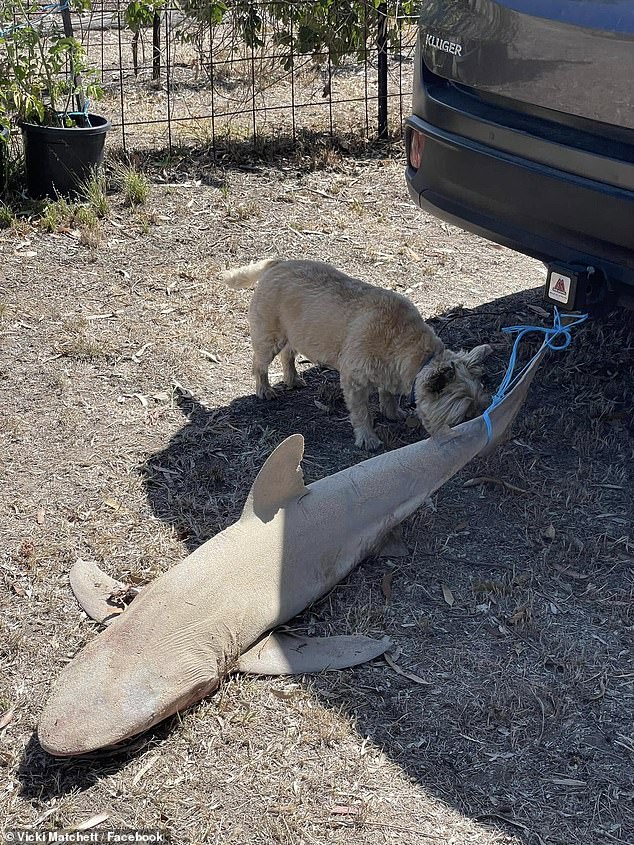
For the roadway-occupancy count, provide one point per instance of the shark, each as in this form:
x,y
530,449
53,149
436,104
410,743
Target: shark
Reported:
x,y
217,610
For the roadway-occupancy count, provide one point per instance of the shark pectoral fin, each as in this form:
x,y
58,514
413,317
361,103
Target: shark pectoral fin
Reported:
x,y
93,589
279,481
281,654
392,545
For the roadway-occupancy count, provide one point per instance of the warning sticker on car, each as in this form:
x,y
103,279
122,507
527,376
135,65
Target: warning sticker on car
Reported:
x,y
559,287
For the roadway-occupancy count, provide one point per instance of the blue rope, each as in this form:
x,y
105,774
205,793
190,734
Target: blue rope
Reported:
x,y
82,113
551,335
4,33
45,11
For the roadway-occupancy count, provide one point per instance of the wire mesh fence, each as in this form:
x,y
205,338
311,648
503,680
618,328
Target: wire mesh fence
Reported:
x,y
210,73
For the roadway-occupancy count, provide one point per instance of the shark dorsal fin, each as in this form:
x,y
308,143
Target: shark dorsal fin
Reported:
x,y
279,481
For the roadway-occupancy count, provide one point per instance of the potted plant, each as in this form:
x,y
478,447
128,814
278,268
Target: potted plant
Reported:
x,y
45,88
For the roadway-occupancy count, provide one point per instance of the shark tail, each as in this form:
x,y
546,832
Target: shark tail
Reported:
x,y
247,276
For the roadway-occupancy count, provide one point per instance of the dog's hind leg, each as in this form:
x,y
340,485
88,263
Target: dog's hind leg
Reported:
x,y
264,350
291,377
356,395
389,406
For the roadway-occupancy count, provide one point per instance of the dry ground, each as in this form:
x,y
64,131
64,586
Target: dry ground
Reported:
x,y
130,434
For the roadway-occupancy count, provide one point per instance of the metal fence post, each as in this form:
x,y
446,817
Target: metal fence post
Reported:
x,y
156,46
382,69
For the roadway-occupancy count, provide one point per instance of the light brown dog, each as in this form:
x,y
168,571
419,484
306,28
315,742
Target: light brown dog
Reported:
x,y
375,338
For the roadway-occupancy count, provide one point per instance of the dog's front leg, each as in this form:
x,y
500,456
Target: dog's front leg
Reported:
x,y
389,406
356,396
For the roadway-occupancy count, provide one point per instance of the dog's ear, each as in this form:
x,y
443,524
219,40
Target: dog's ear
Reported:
x,y
440,378
477,355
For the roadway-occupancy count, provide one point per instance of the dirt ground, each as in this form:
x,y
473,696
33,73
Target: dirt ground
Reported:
x,y
130,434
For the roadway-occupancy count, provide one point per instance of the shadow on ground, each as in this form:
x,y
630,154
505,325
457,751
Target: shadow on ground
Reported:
x,y
512,614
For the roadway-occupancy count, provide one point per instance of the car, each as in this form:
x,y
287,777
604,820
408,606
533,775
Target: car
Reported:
x,y
522,131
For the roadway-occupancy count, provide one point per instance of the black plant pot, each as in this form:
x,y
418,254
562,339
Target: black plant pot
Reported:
x,y
59,160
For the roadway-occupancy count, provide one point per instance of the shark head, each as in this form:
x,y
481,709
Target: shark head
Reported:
x,y
114,689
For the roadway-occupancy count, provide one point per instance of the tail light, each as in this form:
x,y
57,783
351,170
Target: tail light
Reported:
x,y
416,148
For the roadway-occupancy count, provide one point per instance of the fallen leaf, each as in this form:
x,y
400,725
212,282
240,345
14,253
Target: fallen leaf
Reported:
x,y
489,479
122,597
537,310
40,516
448,595
6,719
107,316
521,616
283,694
144,769
180,388
136,356
112,503
38,821
18,589
571,573
600,691
386,585
404,673
548,533
625,742
91,822
282,809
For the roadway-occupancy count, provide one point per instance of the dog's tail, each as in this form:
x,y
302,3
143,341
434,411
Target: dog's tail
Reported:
x,y
247,276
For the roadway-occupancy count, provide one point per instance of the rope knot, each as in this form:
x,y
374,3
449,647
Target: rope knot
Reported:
x,y
552,334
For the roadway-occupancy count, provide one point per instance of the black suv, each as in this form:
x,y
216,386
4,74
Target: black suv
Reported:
x,y
523,131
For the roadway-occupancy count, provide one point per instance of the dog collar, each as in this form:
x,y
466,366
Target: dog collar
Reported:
x,y
412,393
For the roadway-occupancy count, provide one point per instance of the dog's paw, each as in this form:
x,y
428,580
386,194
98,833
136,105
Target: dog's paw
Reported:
x,y
266,393
368,441
298,381
394,414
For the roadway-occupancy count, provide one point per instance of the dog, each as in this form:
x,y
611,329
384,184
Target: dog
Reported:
x,y
374,337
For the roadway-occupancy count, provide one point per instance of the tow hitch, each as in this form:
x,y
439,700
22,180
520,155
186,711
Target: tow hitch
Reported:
x,y
575,288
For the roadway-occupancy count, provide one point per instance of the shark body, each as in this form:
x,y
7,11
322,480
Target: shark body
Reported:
x,y
292,544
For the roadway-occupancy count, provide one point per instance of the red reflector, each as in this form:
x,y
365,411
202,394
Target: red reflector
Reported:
x,y
416,148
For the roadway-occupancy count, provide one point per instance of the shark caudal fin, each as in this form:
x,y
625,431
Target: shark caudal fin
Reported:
x,y
501,416
279,481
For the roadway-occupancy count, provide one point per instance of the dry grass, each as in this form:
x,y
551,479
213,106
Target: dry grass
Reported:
x,y
130,434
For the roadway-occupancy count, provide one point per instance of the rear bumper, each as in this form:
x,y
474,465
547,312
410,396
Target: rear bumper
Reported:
x,y
529,206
